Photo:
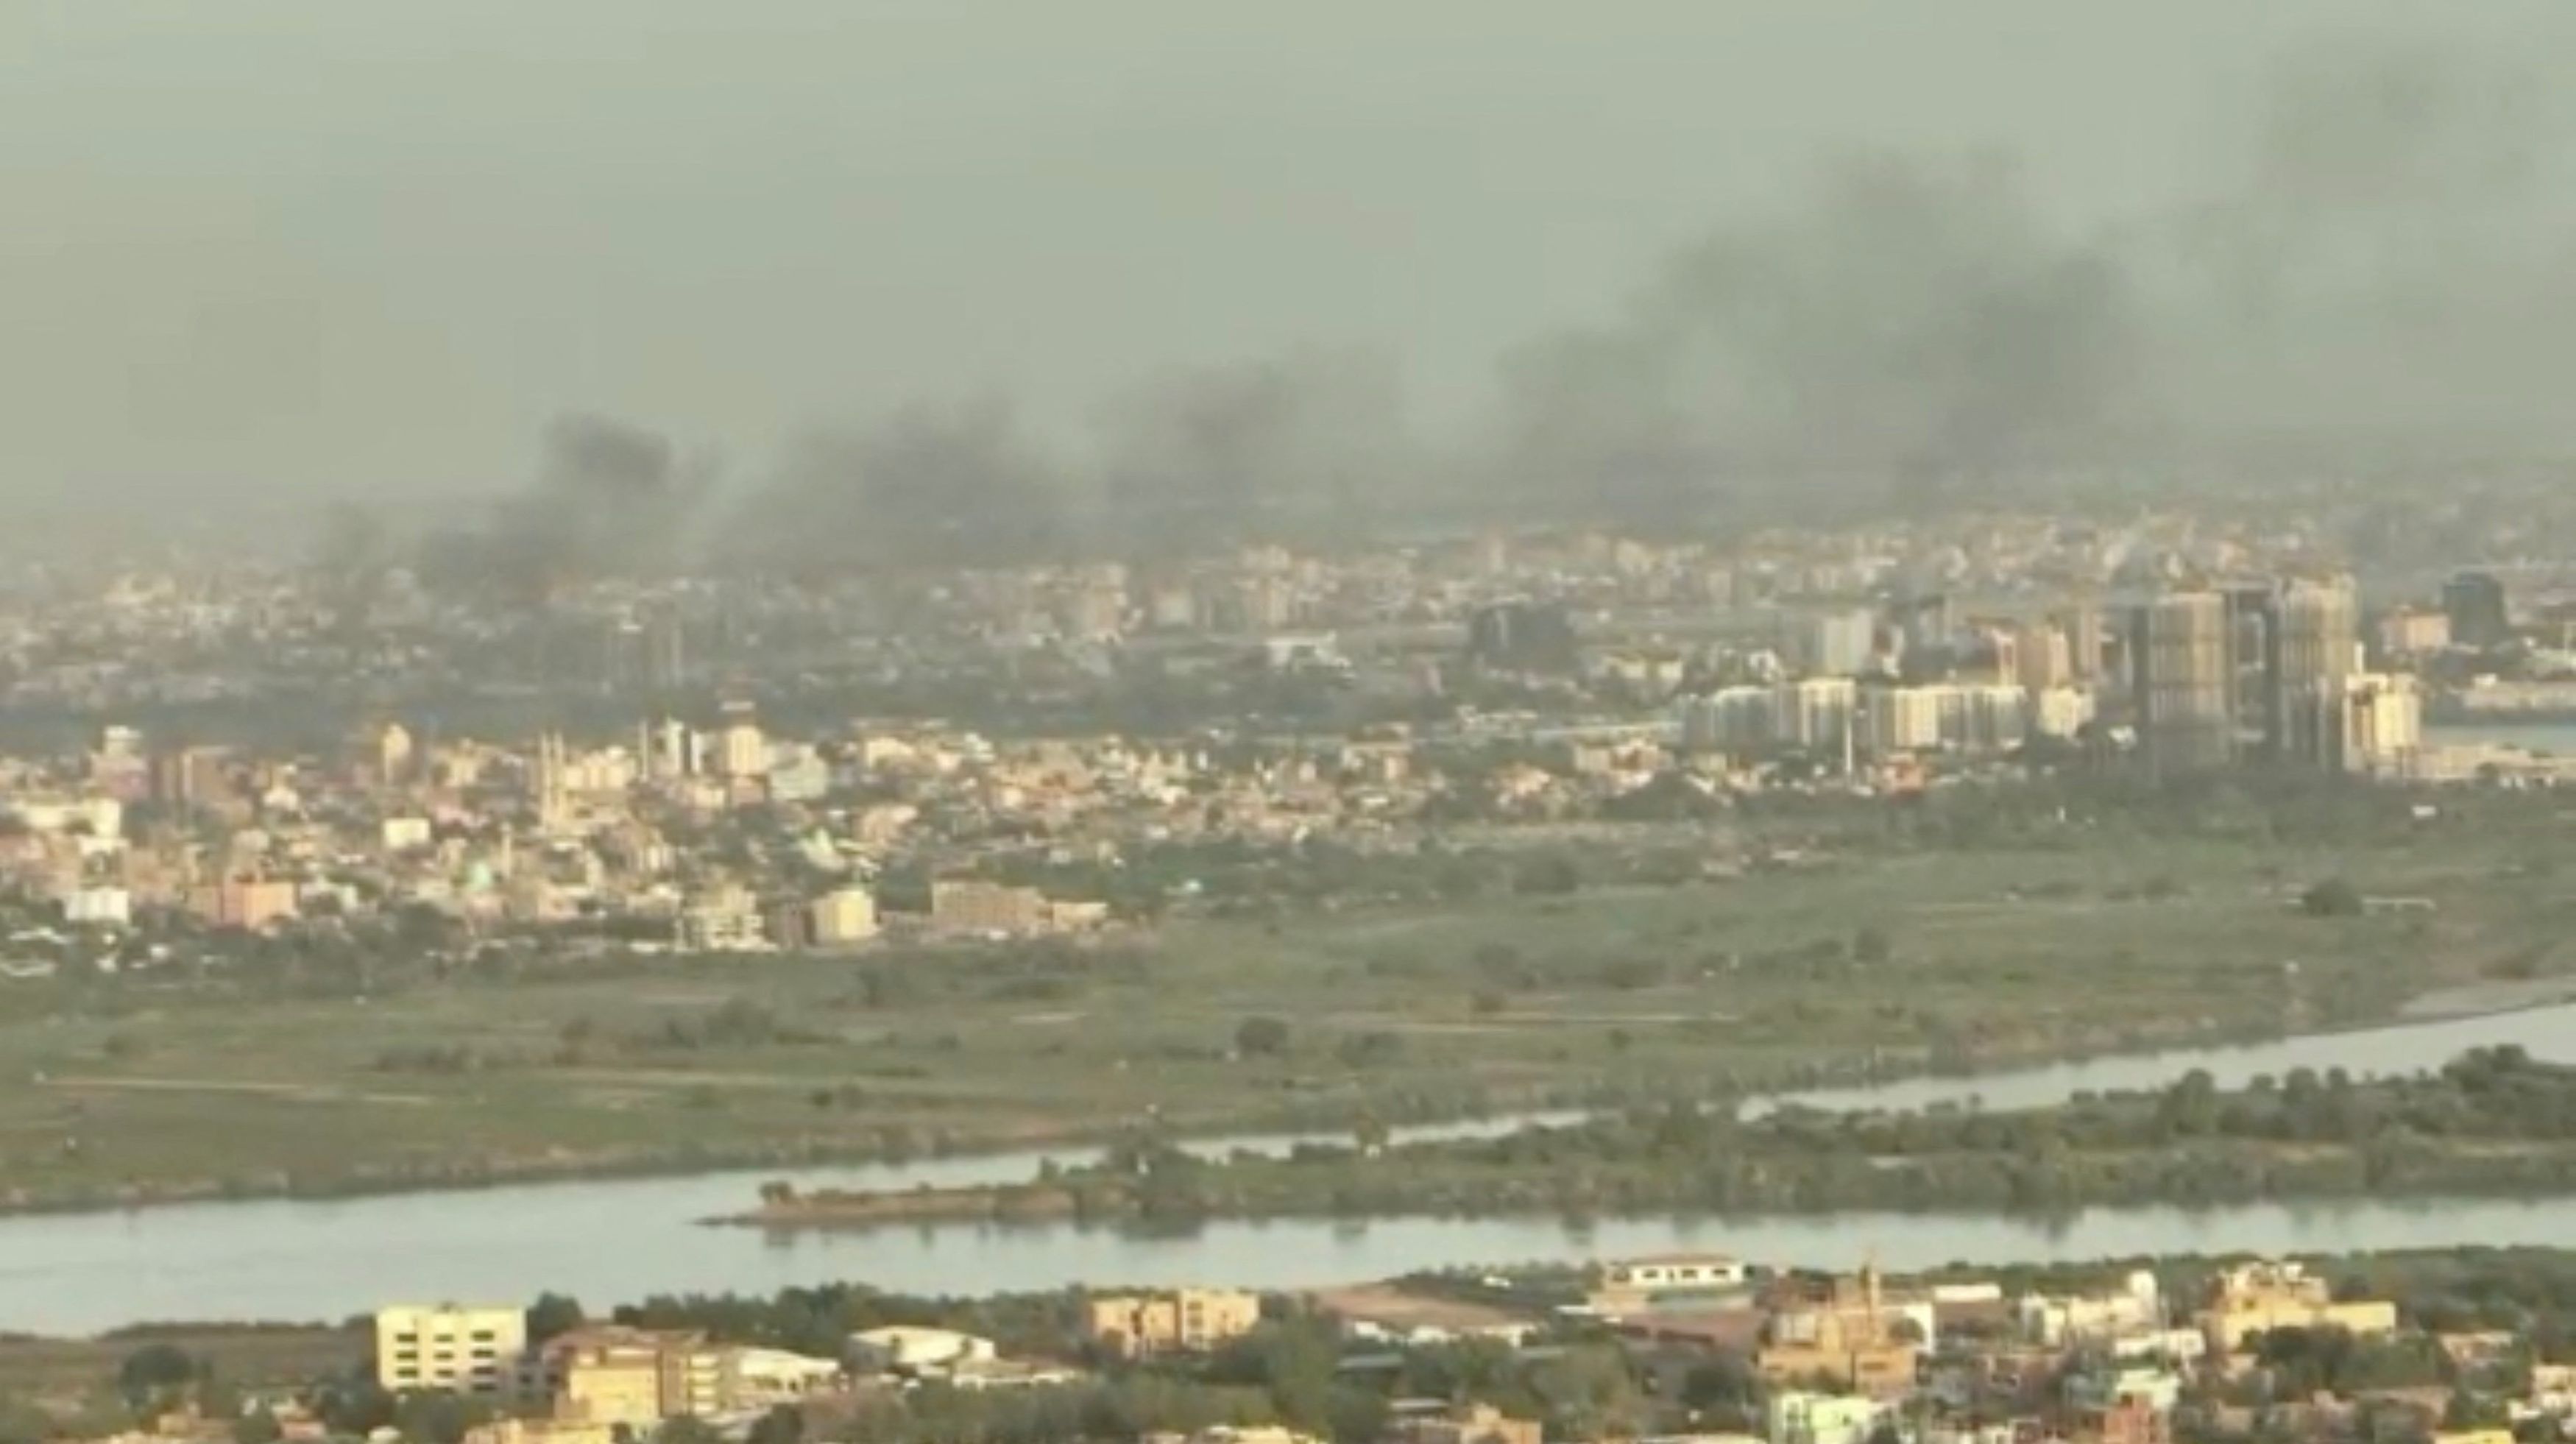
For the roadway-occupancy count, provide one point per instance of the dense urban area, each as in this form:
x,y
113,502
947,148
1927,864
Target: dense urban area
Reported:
x,y
1528,872
1164,723
2467,1347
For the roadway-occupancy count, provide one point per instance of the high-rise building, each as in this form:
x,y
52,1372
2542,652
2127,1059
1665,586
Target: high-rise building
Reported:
x,y
666,651
2183,652
1815,714
2311,655
2084,643
1902,719
1731,719
1523,637
1839,643
2475,604
2060,711
2383,725
2042,658
742,750
1984,717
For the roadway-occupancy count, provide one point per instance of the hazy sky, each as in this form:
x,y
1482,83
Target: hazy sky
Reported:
x,y
286,247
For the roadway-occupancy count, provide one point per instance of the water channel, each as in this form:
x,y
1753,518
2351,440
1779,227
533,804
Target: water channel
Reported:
x,y
621,1239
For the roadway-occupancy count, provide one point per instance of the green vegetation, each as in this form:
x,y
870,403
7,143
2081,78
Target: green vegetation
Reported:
x,y
2492,1121
1824,942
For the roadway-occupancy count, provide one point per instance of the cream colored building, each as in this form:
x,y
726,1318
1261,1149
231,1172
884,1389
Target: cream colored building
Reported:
x,y
632,1377
966,905
844,918
637,1378
2260,1297
1174,1321
463,1350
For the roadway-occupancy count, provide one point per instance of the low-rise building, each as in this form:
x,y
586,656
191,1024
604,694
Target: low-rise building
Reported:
x,y
1172,1321
1795,1416
1471,1424
2260,1297
909,1347
965,906
447,1347
844,918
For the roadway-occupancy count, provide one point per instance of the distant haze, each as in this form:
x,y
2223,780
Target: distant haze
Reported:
x,y
270,251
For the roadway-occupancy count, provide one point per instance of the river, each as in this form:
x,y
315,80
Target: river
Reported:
x,y
615,1240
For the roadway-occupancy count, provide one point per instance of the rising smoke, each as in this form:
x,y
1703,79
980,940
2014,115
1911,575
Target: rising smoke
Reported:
x,y
2378,261
609,499
931,485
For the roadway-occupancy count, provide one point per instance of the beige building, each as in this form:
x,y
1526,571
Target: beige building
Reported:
x,y
2383,724
1178,1320
2413,632
845,918
247,903
1474,1424
2261,1297
970,906
632,1377
1851,1332
463,1350
637,1378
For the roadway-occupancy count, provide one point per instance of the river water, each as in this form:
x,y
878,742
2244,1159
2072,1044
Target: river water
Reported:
x,y
617,1240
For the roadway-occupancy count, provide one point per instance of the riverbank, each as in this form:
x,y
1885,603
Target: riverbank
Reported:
x,y
1276,1128
2491,1122
1010,1156
328,1258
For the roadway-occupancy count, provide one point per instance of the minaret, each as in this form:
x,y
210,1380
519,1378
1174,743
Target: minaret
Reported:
x,y
553,806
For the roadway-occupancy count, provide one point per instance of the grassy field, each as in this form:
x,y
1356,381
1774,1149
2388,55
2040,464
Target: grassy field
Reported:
x,y
69,1369
1944,958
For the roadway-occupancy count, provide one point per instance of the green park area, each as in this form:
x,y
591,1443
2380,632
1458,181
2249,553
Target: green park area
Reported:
x,y
1861,952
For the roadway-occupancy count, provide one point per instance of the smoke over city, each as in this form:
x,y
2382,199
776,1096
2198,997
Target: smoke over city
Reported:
x,y
2375,258
1903,322
609,498
933,484
2383,259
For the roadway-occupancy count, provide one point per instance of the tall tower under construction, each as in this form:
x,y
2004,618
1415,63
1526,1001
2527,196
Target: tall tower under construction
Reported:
x,y
2312,666
2183,655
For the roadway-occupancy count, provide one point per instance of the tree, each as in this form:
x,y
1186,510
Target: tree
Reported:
x,y
1261,1036
438,1418
781,1425
155,1372
553,1315
687,1429
2332,898
1549,874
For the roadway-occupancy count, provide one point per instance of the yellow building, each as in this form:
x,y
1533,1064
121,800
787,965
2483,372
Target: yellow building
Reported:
x,y
1178,1320
467,1351
1473,1424
1853,1335
2260,1297
247,903
844,918
636,1378
613,1375
968,906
